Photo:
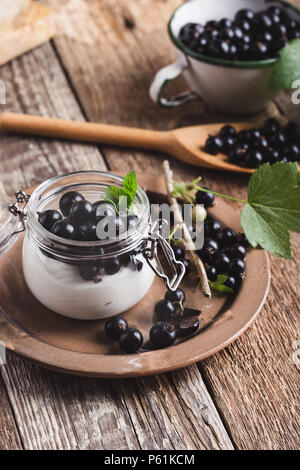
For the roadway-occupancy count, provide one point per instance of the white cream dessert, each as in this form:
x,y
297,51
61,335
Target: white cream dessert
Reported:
x,y
59,286
83,252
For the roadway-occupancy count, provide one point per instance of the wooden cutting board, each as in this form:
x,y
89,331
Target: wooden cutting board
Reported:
x,y
24,24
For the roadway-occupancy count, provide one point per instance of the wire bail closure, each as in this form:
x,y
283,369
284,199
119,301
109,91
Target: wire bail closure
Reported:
x,y
22,198
151,255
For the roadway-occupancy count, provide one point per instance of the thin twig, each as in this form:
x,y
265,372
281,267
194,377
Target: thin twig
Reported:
x,y
178,220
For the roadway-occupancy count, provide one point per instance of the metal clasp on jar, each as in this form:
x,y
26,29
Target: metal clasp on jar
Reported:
x,y
22,198
177,268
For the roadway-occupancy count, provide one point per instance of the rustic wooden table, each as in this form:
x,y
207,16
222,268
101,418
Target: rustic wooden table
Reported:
x,y
98,68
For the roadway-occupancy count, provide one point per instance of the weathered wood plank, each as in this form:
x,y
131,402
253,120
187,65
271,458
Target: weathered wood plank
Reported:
x,y
9,436
260,404
35,83
102,414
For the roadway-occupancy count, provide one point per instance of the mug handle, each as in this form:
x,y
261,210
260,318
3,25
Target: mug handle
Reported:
x,y
165,75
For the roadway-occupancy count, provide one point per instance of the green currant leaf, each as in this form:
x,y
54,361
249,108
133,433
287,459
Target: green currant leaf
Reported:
x,y
287,68
273,207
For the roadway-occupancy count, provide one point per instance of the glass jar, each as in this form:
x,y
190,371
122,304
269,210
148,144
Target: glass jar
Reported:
x,y
90,279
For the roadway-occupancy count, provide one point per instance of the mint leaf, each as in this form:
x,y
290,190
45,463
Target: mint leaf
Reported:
x,y
273,207
113,194
130,187
219,287
287,68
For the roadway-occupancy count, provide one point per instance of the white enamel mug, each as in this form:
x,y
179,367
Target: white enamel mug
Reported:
x,y
236,87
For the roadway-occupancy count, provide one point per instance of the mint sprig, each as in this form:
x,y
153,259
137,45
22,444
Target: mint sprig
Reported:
x,y
272,208
219,287
114,194
287,68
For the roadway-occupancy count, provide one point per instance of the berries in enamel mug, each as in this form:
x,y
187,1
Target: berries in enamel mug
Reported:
x,y
67,200
64,229
162,335
248,36
175,296
48,218
131,340
115,327
165,310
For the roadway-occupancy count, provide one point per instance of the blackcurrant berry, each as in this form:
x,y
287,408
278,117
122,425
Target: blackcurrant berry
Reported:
x,y
165,310
175,296
188,325
64,228
112,266
214,145
178,252
228,131
162,335
237,251
115,327
221,262
131,340
244,14
67,201
88,271
86,231
81,211
102,209
237,267
211,272
207,199
48,218
232,283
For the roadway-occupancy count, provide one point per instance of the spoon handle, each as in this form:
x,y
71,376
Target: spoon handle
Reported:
x,y
84,131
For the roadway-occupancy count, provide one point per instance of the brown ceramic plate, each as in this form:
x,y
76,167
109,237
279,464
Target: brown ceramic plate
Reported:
x,y
81,347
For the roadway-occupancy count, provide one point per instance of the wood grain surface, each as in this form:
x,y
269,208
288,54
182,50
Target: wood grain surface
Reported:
x,y
99,68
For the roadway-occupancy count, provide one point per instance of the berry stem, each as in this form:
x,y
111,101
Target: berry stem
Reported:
x,y
225,196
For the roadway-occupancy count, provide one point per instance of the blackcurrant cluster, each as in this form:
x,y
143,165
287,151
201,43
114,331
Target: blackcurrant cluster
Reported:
x,y
224,252
174,320
249,36
78,219
250,148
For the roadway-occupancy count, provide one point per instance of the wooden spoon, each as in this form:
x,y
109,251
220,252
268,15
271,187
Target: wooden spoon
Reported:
x,y
185,144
